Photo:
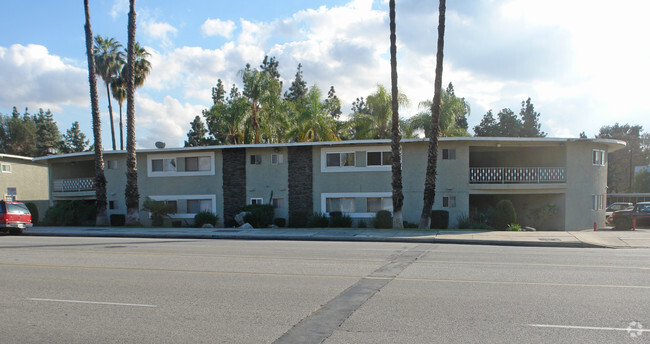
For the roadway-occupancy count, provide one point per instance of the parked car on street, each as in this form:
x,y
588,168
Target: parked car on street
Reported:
x,y
14,217
624,219
616,206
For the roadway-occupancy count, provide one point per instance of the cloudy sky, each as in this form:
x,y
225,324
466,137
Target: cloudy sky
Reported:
x,y
585,64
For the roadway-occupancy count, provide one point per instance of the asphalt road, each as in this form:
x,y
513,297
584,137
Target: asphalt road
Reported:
x,y
113,290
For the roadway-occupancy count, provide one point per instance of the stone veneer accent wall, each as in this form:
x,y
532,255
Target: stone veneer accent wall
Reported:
x,y
301,179
234,183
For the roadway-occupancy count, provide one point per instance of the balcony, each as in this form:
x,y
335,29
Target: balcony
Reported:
x,y
517,175
74,188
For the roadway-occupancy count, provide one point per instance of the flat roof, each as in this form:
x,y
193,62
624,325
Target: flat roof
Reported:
x,y
11,156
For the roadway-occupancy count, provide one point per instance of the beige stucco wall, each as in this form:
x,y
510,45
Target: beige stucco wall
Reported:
x,y
30,180
268,180
115,183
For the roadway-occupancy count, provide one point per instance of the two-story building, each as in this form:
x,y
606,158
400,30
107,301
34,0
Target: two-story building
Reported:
x,y
553,183
22,179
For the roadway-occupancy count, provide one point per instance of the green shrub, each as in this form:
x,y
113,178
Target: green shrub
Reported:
x,y
258,215
299,218
340,220
383,219
362,224
158,209
118,219
205,217
439,219
464,222
319,220
280,222
409,225
33,209
504,214
71,213
514,227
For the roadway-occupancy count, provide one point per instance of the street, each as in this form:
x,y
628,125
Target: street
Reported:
x,y
132,290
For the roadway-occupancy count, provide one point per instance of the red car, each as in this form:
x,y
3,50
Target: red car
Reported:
x,y
14,217
623,219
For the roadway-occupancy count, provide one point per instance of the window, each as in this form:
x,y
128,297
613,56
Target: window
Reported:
x,y
344,205
6,168
375,204
197,205
598,157
278,203
449,154
340,159
111,164
276,159
379,158
112,205
449,201
257,201
256,159
163,165
197,163
598,202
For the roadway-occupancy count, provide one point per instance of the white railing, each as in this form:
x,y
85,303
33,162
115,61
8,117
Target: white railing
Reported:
x,y
74,185
517,175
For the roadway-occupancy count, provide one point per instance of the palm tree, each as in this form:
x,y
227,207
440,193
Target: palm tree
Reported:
x,y
100,179
109,60
118,88
262,90
432,156
453,115
131,194
395,145
311,120
142,65
374,123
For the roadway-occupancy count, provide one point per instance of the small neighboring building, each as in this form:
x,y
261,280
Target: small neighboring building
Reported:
x,y
22,179
553,183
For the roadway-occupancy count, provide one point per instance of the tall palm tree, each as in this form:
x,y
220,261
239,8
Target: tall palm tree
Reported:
x,y
100,179
395,145
432,156
310,119
131,194
375,122
118,88
142,65
109,60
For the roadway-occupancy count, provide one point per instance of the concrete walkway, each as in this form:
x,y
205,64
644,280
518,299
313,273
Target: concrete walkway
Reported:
x,y
579,238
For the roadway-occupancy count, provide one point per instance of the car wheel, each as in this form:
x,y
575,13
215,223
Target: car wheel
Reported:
x,y
16,231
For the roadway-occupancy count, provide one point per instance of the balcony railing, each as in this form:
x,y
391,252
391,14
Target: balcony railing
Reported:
x,y
74,185
517,175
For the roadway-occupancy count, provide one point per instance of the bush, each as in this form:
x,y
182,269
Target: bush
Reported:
x,y
205,217
362,224
340,220
464,222
71,213
280,222
383,219
299,218
514,227
258,215
118,219
319,220
33,209
409,225
439,219
504,214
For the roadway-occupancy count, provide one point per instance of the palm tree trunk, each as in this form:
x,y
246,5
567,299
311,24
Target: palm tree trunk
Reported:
x,y
432,156
110,113
100,180
131,194
121,128
396,147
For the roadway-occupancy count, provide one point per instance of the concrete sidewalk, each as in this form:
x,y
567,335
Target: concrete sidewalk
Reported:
x,y
581,238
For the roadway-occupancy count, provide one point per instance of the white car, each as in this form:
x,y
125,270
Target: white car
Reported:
x,y
616,207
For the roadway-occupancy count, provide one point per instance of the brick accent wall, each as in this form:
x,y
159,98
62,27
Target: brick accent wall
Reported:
x,y
300,180
234,183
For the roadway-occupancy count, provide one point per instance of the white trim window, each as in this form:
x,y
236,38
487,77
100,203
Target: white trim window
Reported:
x,y
355,159
340,159
381,158
449,201
192,164
197,163
449,154
256,200
375,204
278,203
111,164
256,159
193,204
277,159
598,157
6,168
353,203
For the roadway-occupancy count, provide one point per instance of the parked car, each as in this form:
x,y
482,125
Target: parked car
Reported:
x,y
616,206
14,217
623,219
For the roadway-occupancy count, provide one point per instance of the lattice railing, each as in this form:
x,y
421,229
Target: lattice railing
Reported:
x,y
76,184
517,175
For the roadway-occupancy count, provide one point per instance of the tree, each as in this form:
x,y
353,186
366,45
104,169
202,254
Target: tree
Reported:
x,y
620,164
262,90
109,61
270,66
196,135
74,140
510,125
131,194
333,104
453,115
396,147
142,65
310,120
372,118
218,93
298,87
100,179
18,134
432,155
47,132
530,126
641,182
118,88
227,120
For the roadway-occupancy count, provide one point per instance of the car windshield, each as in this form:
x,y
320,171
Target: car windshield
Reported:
x,y
17,208
615,207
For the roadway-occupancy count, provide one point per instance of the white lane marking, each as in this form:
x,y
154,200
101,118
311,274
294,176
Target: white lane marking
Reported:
x,y
588,328
93,302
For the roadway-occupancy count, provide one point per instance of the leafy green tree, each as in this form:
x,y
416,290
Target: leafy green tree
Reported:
x,y
18,134
47,132
641,182
298,88
510,125
372,117
226,121
333,104
620,164
74,140
530,126
101,218
196,135
262,90
218,93
270,66
310,119
453,115
109,60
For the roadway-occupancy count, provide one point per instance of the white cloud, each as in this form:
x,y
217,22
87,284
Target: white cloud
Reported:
x,y
217,27
159,31
119,7
32,77
167,121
